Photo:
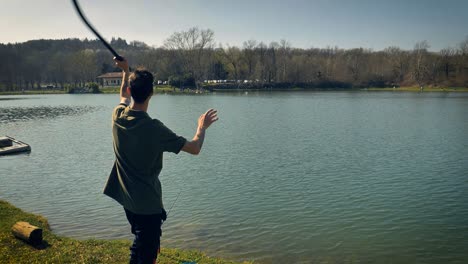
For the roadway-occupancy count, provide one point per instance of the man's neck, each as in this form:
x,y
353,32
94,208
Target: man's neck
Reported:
x,y
139,107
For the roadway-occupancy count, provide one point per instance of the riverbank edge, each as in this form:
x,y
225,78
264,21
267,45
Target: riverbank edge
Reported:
x,y
173,90
60,249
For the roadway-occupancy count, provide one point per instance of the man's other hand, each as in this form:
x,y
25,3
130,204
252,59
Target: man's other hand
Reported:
x,y
208,118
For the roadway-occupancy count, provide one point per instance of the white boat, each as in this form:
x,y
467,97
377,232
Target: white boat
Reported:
x,y
9,145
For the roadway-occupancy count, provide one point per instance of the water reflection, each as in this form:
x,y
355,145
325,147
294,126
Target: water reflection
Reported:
x,y
13,98
17,114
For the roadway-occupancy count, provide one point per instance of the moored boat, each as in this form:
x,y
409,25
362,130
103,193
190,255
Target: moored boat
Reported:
x,y
9,145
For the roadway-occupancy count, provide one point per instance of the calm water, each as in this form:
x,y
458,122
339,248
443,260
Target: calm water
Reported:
x,y
283,177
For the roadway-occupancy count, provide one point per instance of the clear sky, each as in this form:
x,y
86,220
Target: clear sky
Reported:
x,y
374,24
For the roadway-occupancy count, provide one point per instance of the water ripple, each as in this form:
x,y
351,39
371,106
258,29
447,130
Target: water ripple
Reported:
x,y
308,178
18,114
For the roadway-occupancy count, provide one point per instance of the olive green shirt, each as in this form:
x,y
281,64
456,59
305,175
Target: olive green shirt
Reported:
x,y
139,143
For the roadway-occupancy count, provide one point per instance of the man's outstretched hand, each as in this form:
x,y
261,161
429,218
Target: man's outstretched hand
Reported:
x,y
208,118
204,121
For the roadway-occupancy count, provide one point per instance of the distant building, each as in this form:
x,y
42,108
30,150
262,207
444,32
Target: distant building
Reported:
x,y
110,79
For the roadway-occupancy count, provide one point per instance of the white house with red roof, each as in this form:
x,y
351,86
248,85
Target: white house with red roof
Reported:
x,y
110,79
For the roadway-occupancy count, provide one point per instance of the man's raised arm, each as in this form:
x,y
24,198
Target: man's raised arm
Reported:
x,y
124,91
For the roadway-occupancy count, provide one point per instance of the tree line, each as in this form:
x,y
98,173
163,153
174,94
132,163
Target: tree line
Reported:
x,y
190,58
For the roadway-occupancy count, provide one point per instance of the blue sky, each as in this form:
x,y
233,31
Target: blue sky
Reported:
x,y
314,23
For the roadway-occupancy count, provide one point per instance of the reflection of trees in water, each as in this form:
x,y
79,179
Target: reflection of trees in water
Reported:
x,y
12,98
17,114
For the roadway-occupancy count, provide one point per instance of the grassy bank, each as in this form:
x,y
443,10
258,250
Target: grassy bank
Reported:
x,y
157,89
115,89
172,90
417,89
58,249
30,92
400,89
104,90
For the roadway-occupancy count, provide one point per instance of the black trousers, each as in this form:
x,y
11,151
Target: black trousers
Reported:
x,y
147,231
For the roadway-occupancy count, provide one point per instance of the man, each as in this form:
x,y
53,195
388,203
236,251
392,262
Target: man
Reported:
x,y
139,142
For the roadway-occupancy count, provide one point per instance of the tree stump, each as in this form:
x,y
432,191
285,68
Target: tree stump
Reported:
x,y
27,232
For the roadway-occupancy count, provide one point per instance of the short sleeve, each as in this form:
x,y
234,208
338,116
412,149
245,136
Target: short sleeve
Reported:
x,y
118,110
169,140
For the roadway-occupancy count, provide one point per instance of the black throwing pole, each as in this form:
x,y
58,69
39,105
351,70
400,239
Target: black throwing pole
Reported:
x,y
108,46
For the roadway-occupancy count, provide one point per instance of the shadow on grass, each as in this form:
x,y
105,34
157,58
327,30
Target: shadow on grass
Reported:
x,y
43,245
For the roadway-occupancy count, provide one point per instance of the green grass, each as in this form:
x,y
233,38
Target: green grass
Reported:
x,y
60,249
157,89
110,90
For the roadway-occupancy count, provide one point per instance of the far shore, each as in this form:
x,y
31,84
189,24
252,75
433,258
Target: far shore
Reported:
x,y
60,249
417,89
174,90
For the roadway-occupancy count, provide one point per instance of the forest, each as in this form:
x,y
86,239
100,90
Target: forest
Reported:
x,y
194,59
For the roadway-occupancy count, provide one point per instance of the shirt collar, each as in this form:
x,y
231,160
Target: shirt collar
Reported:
x,y
135,113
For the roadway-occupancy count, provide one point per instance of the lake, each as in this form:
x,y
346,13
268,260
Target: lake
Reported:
x,y
299,177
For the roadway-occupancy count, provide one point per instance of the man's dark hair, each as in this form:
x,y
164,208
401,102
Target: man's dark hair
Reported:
x,y
141,84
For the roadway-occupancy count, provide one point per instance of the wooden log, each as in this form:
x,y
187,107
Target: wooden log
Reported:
x,y
27,232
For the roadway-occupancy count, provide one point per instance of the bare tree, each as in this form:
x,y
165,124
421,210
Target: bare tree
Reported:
x,y
446,60
271,62
434,66
261,51
250,58
329,64
462,71
355,62
284,57
420,62
399,63
464,47
233,58
191,46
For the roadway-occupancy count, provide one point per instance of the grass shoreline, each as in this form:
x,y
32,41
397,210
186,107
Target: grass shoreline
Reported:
x,y
417,89
173,90
60,249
